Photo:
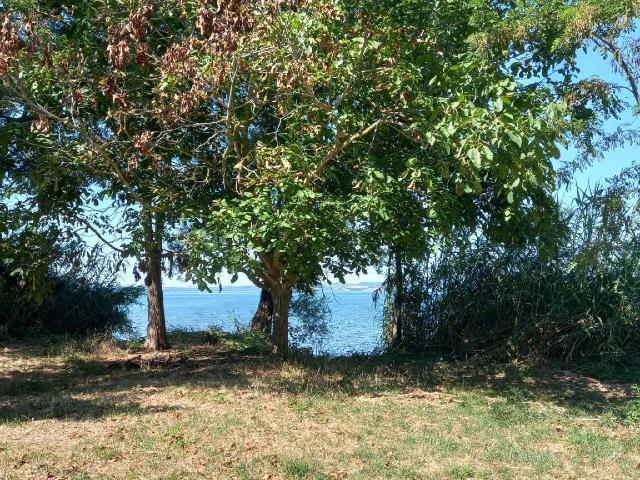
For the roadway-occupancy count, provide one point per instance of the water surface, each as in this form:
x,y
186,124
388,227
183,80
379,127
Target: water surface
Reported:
x,y
354,320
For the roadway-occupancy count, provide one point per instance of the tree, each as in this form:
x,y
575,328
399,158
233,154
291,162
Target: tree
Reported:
x,y
269,126
40,201
311,94
90,75
538,42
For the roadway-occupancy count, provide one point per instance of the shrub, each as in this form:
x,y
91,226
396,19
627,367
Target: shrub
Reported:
x,y
80,308
311,314
581,302
77,304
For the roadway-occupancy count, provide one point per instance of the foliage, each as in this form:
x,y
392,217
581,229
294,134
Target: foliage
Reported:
x,y
580,302
329,101
82,308
36,194
546,37
82,300
311,314
92,84
50,280
297,140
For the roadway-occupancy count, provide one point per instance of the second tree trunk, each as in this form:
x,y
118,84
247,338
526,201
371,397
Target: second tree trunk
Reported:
x,y
261,322
396,327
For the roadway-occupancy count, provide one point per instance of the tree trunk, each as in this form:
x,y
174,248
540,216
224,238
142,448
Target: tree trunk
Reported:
x,y
156,327
261,322
398,298
280,334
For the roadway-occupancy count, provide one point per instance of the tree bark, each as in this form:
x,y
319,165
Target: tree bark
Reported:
x,y
156,326
398,298
261,322
280,334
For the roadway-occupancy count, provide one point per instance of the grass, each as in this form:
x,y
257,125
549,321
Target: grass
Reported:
x,y
216,406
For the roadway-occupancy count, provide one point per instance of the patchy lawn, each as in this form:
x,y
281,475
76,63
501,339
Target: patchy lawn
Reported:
x,y
214,407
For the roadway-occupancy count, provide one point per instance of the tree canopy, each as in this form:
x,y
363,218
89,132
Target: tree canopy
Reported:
x,y
297,140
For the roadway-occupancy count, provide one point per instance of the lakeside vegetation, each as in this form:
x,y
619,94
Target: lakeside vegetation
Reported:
x,y
214,406
296,142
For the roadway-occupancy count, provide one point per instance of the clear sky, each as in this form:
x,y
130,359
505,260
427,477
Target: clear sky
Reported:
x,y
590,64
593,65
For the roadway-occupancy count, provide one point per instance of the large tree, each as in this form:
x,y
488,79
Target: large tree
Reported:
x,y
297,139
538,43
311,94
92,76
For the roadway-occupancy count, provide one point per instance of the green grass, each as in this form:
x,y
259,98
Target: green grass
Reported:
x,y
462,473
297,468
216,406
106,453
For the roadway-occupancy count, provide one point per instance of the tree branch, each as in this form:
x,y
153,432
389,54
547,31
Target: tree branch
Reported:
x,y
338,147
99,235
618,57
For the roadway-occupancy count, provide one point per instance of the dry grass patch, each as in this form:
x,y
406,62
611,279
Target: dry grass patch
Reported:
x,y
215,407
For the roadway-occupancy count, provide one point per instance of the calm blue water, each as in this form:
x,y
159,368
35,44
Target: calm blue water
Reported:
x,y
354,321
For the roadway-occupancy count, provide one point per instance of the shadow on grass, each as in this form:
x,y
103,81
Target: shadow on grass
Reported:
x,y
101,385
66,407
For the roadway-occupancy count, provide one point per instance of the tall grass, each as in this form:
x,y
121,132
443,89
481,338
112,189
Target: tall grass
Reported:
x,y
581,301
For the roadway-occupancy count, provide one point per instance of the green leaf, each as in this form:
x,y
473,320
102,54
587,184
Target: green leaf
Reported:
x,y
517,139
487,152
510,196
474,156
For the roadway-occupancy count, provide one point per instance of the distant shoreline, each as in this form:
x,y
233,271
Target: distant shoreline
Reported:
x,y
365,287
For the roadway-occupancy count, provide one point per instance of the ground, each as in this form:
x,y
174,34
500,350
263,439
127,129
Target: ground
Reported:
x,y
214,407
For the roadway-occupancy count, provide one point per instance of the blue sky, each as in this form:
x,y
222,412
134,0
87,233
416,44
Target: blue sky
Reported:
x,y
591,64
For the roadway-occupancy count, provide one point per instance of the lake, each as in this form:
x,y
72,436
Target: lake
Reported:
x,y
354,320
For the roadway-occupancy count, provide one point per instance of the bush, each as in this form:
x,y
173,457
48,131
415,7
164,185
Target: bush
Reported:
x,y
80,308
492,301
582,302
311,315
73,306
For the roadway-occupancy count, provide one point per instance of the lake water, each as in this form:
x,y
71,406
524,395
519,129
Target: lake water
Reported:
x,y
354,320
